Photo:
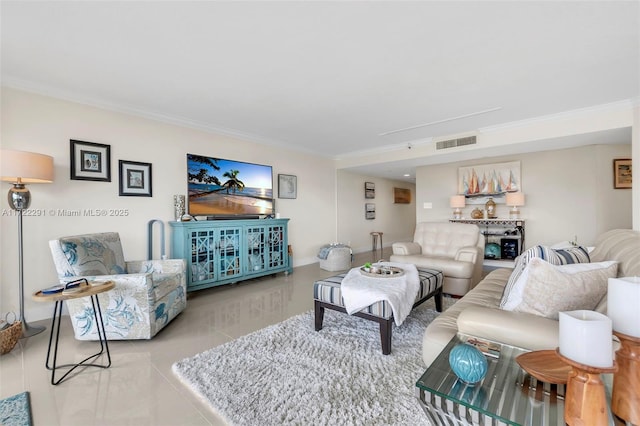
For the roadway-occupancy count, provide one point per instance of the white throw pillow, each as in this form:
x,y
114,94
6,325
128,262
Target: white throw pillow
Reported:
x,y
547,289
565,256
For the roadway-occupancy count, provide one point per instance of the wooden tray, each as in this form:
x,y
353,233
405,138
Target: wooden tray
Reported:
x,y
545,366
384,272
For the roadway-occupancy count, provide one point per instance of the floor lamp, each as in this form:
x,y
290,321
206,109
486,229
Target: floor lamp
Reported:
x,y
21,168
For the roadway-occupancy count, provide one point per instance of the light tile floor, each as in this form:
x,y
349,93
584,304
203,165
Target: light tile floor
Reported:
x,y
140,388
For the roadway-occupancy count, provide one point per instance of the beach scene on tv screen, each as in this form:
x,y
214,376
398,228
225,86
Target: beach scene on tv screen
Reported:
x,y
226,187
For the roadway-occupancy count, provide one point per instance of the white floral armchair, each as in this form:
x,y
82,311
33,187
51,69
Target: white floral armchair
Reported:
x,y
147,295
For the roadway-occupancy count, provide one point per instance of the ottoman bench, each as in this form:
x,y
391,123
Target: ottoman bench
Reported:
x,y
327,294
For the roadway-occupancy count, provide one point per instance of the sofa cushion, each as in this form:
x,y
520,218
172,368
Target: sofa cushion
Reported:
x,y
549,289
440,331
554,256
444,239
622,245
89,254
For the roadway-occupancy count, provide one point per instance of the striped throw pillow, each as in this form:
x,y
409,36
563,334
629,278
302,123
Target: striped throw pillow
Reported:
x,y
565,256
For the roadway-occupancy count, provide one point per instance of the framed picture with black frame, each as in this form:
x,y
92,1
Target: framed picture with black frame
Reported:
x,y
90,161
135,179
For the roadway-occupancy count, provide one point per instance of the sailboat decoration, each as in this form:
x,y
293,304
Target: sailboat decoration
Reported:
x,y
497,179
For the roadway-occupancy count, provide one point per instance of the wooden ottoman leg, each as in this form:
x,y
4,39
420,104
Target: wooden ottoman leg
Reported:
x,y
319,313
385,335
438,300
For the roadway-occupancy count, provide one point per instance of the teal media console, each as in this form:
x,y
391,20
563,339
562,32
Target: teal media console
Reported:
x,y
227,251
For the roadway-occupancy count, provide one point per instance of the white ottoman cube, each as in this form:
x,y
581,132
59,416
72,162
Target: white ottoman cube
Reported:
x,y
338,259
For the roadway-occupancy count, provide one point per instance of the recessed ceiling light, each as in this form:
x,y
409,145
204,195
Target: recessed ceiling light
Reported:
x,y
406,175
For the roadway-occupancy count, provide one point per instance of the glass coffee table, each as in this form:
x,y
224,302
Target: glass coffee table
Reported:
x,y
506,396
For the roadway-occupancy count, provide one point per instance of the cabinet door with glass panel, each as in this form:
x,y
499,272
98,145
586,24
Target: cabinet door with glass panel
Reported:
x,y
215,254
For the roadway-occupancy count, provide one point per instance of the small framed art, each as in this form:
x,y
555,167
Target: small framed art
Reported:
x,y
369,211
369,190
135,179
401,196
622,176
287,186
90,161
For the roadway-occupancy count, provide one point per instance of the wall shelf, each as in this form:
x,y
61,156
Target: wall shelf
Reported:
x,y
497,230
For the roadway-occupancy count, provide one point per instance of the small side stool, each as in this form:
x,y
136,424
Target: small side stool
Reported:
x,y
338,259
374,240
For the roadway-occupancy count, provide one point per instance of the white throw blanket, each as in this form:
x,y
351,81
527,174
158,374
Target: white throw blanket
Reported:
x,y
360,291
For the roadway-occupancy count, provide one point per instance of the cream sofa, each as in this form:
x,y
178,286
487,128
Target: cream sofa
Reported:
x,y
456,249
478,312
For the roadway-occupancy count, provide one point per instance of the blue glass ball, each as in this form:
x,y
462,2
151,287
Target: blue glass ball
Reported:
x,y
468,363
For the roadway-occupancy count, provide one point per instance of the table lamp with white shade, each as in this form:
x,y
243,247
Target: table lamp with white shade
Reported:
x,y
21,168
457,202
515,200
586,346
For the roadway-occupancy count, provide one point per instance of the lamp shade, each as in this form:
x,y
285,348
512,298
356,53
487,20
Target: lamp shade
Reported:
x,y
514,199
457,201
585,337
27,167
623,302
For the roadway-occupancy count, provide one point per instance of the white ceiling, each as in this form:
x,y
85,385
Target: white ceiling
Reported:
x,y
327,77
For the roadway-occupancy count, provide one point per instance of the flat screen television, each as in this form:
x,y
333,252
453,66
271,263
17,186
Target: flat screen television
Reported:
x,y
223,189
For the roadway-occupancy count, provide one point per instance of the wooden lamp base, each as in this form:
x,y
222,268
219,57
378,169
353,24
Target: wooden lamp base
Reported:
x,y
625,399
585,401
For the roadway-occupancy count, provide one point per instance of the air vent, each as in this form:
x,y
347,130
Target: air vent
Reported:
x,y
452,143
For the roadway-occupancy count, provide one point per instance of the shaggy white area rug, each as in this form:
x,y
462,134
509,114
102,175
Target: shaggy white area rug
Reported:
x,y
289,373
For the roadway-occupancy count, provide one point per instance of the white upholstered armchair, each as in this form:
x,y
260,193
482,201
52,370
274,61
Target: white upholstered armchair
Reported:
x,y
147,296
456,249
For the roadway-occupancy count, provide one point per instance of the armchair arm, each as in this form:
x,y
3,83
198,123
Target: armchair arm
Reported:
x,y
468,254
406,248
165,266
161,269
139,286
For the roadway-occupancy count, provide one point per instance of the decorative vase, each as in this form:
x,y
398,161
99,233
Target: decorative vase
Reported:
x,y
476,214
178,205
468,363
490,207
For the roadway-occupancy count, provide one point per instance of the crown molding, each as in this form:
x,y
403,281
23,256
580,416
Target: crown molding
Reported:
x,y
44,90
621,105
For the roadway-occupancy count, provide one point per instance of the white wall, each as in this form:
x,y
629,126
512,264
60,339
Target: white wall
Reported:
x,y
635,135
569,193
395,221
41,124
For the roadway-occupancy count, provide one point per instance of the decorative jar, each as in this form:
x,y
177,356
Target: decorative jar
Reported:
x,y
468,363
490,207
476,213
179,206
